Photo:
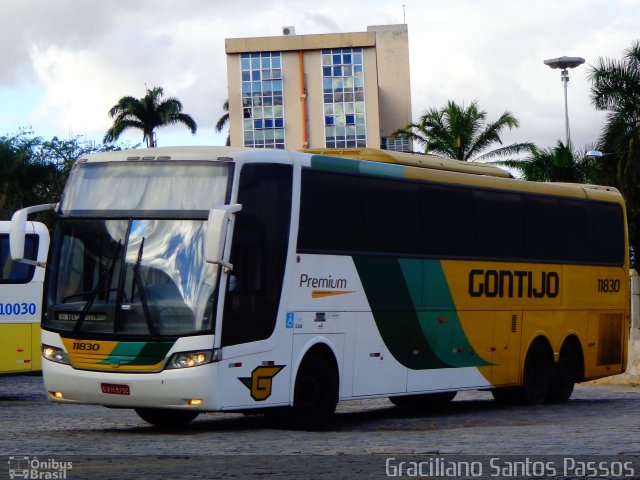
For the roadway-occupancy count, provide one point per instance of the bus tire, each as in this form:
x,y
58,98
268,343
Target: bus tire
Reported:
x,y
536,379
423,401
165,417
566,372
315,394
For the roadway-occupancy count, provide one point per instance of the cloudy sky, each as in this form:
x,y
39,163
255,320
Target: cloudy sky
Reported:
x,y
64,63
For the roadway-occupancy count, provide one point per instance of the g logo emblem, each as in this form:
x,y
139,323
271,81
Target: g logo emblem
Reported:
x,y
260,381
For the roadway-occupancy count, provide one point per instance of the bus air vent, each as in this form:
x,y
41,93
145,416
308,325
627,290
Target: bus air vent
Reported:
x,y
609,339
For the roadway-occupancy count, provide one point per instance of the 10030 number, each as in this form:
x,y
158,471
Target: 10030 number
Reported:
x,y
18,308
608,285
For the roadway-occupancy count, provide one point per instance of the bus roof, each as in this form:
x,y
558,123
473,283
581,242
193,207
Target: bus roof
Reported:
x,y
165,153
371,154
412,160
449,172
423,167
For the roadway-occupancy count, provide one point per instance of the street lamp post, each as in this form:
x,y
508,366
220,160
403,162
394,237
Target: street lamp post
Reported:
x,y
564,64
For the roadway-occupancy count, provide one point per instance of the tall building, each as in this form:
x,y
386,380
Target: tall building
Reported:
x,y
340,90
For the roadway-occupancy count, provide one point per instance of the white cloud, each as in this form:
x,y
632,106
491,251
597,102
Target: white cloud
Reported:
x,y
80,88
84,56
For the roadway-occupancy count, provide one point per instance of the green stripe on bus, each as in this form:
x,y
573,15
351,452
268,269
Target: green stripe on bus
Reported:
x,y
335,164
347,165
138,353
384,169
437,314
414,312
393,311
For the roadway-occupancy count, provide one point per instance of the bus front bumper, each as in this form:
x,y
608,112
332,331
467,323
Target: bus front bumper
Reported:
x,y
188,388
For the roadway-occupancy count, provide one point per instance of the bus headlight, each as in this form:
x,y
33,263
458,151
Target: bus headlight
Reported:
x,y
55,354
190,359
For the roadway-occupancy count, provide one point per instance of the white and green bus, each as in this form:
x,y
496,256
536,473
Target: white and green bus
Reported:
x,y
189,280
21,299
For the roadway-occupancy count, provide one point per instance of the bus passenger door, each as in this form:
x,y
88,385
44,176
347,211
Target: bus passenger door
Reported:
x,y
256,359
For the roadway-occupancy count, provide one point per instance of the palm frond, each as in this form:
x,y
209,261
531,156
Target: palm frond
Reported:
x,y
146,114
460,132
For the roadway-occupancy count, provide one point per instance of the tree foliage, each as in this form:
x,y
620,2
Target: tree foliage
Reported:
x,y
462,133
147,114
25,179
615,88
34,170
558,164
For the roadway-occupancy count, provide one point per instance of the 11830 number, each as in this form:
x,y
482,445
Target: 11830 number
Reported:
x,y
608,285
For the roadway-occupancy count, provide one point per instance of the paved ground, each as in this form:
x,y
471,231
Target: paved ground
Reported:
x,y
600,420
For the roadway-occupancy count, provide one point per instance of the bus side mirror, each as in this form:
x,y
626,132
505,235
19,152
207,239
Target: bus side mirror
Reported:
x,y
216,234
18,231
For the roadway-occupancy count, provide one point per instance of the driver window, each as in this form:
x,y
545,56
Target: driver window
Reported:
x,y
258,253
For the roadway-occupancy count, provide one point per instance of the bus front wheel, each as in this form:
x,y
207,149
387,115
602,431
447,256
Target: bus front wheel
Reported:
x,y
166,418
315,394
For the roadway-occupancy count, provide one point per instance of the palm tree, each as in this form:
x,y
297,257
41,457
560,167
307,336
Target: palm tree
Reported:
x,y
147,114
558,164
224,120
615,88
461,133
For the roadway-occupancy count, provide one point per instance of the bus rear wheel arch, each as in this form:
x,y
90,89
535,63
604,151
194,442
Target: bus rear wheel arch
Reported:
x,y
536,377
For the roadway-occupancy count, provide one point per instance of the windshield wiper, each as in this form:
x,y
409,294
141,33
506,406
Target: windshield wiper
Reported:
x,y
97,290
137,282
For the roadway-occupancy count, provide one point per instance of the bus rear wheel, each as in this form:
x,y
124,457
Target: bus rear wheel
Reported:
x,y
166,418
423,401
565,373
537,373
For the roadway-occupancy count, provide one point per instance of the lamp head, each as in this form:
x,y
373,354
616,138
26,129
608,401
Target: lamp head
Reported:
x,y
594,154
564,62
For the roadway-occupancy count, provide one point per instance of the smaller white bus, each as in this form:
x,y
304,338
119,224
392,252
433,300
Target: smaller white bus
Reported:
x,y
21,300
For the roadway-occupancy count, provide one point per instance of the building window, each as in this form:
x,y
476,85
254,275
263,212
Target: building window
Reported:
x,y
396,145
343,89
262,99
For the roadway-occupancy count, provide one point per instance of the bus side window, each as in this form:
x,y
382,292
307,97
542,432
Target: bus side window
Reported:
x,y
16,272
499,231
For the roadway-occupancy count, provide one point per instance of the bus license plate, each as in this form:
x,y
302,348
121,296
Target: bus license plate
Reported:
x,y
115,389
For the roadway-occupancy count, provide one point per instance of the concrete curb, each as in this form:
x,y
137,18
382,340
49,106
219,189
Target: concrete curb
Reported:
x,y
616,380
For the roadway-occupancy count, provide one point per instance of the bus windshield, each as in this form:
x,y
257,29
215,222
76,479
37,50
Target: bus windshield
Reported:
x,y
142,277
128,250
